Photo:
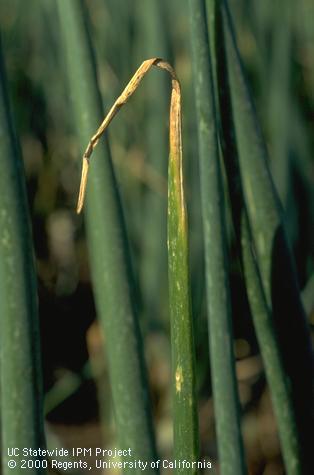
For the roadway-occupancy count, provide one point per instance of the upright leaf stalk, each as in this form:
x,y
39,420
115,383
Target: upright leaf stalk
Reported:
x,y
183,374
226,403
271,282
21,383
108,247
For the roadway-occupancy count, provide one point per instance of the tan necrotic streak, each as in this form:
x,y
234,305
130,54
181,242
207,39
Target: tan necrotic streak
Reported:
x,y
175,122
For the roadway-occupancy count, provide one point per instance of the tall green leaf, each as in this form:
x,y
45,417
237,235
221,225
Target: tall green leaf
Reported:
x,y
227,410
21,382
182,342
271,282
183,372
108,249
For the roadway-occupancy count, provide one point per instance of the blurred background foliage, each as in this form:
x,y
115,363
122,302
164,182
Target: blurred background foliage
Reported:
x,y
276,40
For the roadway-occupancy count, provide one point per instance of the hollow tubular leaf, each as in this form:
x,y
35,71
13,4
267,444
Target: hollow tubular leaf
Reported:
x,y
271,282
21,383
183,373
108,249
226,403
182,344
